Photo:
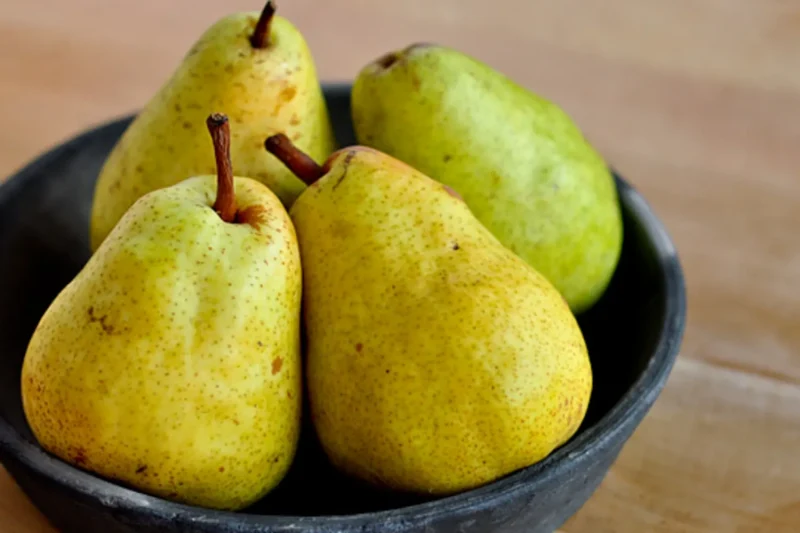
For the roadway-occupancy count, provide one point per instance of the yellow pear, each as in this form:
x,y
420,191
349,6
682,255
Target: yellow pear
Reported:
x,y
438,360
171,362
260,70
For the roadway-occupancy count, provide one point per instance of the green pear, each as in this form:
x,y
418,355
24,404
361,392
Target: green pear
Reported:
x,y
171,362
261,72
437,359
521,164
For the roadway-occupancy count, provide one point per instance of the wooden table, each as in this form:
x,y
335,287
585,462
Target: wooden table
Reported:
x,y
697,102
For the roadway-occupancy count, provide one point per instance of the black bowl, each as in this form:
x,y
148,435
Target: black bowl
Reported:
x,y
633,334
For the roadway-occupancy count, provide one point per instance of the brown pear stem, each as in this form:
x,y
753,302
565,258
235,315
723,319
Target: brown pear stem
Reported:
x,y
225,204
260,37
295,159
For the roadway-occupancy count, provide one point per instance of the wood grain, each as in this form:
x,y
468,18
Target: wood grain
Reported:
x,y
697,102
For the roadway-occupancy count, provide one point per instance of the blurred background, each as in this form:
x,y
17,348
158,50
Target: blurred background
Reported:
x,y
695,102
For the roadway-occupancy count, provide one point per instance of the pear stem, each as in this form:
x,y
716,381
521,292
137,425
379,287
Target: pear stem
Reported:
x,y
260,37
225,204
295,159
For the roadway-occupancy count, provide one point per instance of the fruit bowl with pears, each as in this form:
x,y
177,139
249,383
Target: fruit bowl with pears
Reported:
x,y
418,303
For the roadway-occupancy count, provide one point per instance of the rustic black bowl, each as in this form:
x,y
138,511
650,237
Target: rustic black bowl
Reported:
x,y
633,334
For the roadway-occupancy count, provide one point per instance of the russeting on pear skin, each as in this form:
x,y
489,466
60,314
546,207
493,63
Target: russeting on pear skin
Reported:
x,y
437,360
261,71
171,363
520,162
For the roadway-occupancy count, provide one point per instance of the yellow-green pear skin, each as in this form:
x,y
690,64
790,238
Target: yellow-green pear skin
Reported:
x,y
437,359
519,161
171,362
263,91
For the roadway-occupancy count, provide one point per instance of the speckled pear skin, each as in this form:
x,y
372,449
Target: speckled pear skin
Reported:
x,y
437,359
263,91
171,362
519,161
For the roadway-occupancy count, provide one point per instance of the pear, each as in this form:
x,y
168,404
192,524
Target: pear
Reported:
x,y
437,359
520,162
260,70
171,362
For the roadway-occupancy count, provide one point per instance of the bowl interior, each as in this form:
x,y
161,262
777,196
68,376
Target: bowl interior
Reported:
x,y
44,243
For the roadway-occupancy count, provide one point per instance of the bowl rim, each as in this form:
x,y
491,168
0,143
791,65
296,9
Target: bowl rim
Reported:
x,y
635,403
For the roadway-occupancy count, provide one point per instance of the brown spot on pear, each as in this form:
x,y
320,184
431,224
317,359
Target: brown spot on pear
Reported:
x,y
452,192
253,215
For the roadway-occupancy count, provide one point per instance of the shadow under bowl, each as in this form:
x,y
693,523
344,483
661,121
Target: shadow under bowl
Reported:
x,y
633,333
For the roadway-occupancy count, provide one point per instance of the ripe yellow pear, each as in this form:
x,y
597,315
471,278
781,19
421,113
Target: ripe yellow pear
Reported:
x,y
260,70
522,165
438,360
171,362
